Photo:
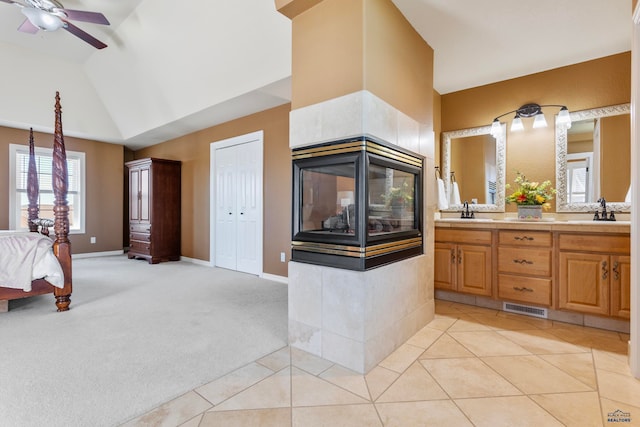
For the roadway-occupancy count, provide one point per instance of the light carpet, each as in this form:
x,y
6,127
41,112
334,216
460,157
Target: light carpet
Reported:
x,y
137,335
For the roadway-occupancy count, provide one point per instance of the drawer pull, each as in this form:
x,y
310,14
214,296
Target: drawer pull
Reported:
x,y
523,238
522,261
605,270
522,289
616,273
453,256
459,256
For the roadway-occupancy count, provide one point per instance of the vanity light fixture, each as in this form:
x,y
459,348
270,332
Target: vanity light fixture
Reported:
x,y
535,111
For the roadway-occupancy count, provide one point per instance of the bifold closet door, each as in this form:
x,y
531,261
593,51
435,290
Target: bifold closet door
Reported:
x,y
238,192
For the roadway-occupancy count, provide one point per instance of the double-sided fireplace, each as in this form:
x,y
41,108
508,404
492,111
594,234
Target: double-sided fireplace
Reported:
x,y
357,204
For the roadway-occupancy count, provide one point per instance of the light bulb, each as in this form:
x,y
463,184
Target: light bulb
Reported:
x,y
42,19
539,121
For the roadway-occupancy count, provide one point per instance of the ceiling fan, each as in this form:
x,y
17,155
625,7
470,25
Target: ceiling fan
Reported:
x,y
50,15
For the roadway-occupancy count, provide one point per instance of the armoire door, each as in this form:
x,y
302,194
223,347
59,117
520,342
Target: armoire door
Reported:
x,y
238,213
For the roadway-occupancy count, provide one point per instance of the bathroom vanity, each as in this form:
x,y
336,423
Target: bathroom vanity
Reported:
x,y
568,266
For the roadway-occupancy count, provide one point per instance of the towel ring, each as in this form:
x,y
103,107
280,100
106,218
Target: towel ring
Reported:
x,y
438,176
453,176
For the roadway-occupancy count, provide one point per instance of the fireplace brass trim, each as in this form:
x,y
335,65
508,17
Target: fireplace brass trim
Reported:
x,y
355,251
355,146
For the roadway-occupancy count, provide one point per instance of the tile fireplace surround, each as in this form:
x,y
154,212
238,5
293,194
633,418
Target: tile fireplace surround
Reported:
x,y
357,318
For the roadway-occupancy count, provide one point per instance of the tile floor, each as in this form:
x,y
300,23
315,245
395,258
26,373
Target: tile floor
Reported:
x,y
470,366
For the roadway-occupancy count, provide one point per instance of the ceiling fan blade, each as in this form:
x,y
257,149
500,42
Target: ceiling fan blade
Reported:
x,y
8,1
27,27
83,35
81,15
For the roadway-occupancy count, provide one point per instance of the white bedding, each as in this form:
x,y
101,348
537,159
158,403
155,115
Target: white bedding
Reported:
x,y
25,256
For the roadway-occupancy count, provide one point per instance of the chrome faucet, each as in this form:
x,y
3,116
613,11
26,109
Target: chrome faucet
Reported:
x,y
602,215
465,211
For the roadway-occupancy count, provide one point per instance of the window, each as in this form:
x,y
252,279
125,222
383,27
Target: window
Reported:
x,y
18,204
579,178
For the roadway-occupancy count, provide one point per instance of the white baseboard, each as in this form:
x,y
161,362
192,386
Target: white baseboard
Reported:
x,y
275,278
97,254
195,261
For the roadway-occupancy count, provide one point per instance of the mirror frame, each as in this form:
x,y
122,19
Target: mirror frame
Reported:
x,y
501,143
561,161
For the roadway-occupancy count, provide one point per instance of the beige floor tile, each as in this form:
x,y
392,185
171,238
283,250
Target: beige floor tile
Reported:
x,y
347,379
572,409
309,362
278,360
468,377
378,380
579,366
469,324
402,358
280,417
541,342
533,375
619,387
590,337
488,343
272,392
234,382
309,390
173,413
613,362
441,323
465,308
515,411
193,422
420,414
446,347
502,323
414,384
617,413
343,416
425,337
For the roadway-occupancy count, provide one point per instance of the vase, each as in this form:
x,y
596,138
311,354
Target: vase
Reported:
x,y
530,212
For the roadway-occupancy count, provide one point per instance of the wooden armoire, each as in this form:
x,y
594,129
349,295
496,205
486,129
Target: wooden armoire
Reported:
x,y
154,209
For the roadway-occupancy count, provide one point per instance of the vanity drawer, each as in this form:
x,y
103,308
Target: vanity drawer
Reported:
x,y
535,262
525,289
595,243
479,237
525,238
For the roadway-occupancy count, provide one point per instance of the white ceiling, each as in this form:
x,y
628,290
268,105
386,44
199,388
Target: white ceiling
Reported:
x,y
174,68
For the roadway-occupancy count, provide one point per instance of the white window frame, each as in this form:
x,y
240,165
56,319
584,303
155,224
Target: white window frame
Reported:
x,y
14,209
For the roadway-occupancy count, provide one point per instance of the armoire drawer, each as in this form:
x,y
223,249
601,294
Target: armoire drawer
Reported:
x,y
140,247
143,237
140,228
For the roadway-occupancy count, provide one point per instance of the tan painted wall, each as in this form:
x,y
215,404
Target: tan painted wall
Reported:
x,y
104,179
193,151
597,83
344,46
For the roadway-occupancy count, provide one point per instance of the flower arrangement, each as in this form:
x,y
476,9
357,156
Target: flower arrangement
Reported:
x,y
398,196
531,193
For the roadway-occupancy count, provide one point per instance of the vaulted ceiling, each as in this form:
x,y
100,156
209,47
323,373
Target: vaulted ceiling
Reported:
x,y
172,68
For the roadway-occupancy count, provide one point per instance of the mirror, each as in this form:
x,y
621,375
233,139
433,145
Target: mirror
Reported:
x,y
593,160
475,160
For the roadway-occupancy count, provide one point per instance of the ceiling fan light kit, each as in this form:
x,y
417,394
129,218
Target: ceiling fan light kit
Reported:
x,y
50,15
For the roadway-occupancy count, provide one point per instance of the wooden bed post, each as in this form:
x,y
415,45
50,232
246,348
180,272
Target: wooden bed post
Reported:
x,y
61,245
33,189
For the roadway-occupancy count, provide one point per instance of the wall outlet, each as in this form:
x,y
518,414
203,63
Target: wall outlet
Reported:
x,y
93,239
282,257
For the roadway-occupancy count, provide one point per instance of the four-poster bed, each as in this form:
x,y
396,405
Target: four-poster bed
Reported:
x,y
61,245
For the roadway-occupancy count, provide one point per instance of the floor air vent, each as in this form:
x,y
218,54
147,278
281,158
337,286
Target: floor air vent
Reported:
x,y
525,309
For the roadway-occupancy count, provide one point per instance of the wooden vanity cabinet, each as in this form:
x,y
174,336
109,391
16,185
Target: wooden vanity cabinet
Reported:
x,y
525,260
463,260
594,273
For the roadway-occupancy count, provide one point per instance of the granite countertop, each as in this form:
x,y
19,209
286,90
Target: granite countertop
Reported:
x,y
548,224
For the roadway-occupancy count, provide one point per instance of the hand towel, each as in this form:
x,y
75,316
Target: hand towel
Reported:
x,y
454,197
443,203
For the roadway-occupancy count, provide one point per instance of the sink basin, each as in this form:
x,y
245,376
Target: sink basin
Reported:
x,y
466,219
